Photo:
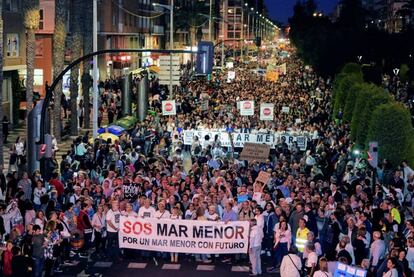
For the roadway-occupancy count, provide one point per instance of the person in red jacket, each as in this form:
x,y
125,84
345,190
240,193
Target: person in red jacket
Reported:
x,y
85,227
55,182
7,260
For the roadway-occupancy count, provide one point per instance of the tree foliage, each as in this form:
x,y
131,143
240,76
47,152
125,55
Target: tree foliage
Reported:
x,y
342,89
328,45
390,125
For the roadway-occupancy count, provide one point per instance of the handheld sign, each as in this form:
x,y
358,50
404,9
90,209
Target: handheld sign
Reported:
x,y
168,107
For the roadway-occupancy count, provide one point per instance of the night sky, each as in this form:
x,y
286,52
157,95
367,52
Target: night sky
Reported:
x,y
281,10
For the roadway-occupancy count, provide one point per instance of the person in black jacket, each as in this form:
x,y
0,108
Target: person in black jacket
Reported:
x,y
359,247
20,263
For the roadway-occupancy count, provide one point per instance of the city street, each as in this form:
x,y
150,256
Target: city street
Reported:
x,y
206,138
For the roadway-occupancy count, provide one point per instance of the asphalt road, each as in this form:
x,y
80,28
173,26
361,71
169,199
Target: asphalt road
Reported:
x,y
147,267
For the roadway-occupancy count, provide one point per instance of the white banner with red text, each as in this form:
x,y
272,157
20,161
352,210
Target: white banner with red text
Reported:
x,y
184,236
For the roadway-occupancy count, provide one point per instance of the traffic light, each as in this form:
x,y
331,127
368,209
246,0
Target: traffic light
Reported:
x,y
45,150
205,59
258,41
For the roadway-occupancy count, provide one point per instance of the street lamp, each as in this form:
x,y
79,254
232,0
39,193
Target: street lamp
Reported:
x,y
171,9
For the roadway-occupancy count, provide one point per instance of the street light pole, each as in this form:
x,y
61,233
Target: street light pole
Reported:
x,y
95,70
223,30
171,44
210,21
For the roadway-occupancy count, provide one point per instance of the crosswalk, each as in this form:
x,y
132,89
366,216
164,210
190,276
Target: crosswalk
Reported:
x,y
21,131
168,266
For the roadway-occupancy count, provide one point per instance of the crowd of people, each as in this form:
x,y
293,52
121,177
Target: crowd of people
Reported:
x,y
320,206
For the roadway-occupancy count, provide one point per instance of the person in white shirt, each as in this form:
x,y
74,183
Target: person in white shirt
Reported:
x,y
176,215
37,194
391,266
312,259
129,210
377,250
255,242
323,269
99,228
112,225
146,210
161,212
291,265
211,215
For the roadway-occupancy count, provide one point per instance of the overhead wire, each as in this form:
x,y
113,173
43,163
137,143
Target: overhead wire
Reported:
x,y
137,15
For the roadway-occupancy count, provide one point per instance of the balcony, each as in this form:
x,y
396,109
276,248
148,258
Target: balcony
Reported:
x,y
157,30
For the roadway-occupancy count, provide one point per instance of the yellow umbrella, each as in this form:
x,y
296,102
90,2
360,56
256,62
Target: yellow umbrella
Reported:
x,y
105,137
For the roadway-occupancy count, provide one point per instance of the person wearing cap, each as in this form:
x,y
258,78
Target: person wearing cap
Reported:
x,y
75,197
301,235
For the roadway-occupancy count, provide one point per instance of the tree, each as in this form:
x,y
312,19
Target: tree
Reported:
x,y
59,38
342,87
76,47
350,101
366,102
1,81
31,23
390,125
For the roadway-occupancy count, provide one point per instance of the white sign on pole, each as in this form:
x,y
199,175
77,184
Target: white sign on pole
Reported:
x,y
246,108
231,75
168,107
164,74
285,109
229,65
266,111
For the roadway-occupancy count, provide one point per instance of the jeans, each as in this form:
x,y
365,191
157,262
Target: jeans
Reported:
x,y
201,257
113,245
254,255
38,264
280,251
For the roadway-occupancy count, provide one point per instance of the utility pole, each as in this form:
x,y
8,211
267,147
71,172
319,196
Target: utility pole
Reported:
x,y
95,70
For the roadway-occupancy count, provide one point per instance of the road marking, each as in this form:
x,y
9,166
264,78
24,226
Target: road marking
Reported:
x,y
171,266
103,264
205,267
240,268
137,265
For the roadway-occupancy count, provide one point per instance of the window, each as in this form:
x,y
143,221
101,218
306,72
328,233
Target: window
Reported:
x,y
12,50
39,48
38,77
11,5
41,19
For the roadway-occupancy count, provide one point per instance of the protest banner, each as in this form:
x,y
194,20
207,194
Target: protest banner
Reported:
x,y
301,141
255,152
231,75
266,111
285,109
246,107
239,139
263,177
168,107
184,236
204,105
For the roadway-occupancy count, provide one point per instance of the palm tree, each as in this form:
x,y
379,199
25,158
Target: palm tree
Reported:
x,y
59,38
87,48
31,23
1,81
76,47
